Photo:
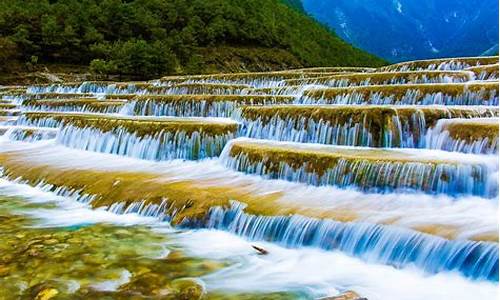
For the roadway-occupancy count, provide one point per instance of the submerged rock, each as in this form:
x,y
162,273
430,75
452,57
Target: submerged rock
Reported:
x,y
47,294
188,288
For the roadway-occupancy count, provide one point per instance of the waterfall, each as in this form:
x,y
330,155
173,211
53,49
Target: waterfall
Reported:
x,y
371,175
29,134
197,89
394,132
160,146
383,79
346,161
109,109
439,138
375,243
386,127
78,88
128,108
25,120
254,82
141,208
411,97
186,108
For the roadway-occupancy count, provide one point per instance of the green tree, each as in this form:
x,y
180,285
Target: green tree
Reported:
x,y
148,38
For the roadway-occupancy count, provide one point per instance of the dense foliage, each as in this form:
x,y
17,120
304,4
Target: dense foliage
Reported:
x,y
153,37
297,4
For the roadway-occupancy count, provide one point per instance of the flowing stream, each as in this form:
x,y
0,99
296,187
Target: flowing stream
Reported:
x,y
299,184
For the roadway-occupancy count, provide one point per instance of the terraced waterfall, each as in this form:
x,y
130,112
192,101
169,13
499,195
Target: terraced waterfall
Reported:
x,y
381,183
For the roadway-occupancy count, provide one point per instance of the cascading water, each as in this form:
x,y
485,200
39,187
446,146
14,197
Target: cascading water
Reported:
x,y
439,138
411,97
383,127
28,134
382,79
185,108
264,175
160,146
372,175
75,108
376,243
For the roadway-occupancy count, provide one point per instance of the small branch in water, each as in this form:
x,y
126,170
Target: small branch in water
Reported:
x,y
260,250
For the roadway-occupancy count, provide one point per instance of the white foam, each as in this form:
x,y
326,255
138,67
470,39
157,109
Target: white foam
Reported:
x,y
317,272
68,211
321,273
469,215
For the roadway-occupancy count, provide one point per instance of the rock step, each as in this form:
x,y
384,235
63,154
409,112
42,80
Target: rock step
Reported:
x,y
472,128
201,105
128,185
4,120
70,87
334,70
367,169
470,93
78,104
9,112
137,88
251,77
57,95
458,63
197,88
371,125
465,135
7,105
485,72
28,134
382,78
152,138
143,125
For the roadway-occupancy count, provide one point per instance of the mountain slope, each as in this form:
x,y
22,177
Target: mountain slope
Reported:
x,y
154,37
297,4
399,30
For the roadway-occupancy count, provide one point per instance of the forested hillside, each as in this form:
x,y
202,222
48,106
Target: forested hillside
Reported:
x,y
148,38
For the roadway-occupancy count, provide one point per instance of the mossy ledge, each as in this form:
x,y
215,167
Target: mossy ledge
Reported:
x,y
240,99
367,125
200,105
322,157
425,64
473,129
252,76
187,199
334,70
485,72
341,114
59,96
141,126
378,78
486,91
4,106
9,112
197,88
88,104
377,170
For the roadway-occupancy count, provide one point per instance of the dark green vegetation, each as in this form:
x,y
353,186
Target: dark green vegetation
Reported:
x,y
297,4
148,38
